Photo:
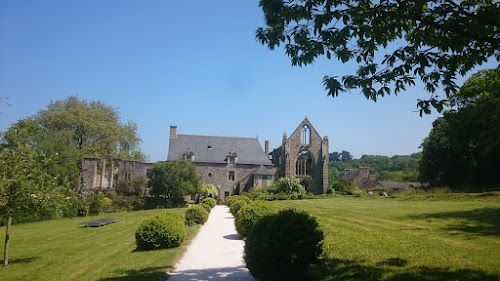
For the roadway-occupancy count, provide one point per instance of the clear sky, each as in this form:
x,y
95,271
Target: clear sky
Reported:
x,y
194,64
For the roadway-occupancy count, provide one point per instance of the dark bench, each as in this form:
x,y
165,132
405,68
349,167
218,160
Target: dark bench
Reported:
x,y
97,223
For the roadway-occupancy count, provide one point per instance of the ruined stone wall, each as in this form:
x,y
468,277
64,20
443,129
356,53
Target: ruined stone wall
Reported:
x,y
287,155
102,175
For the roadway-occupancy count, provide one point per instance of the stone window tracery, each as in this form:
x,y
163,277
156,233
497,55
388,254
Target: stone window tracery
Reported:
x,y
306,135
303,164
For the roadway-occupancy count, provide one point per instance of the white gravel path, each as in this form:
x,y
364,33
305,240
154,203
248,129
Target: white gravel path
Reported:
x,y
215,254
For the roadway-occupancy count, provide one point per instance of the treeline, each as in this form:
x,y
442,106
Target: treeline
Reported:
x,y
395,168
461,151
463,147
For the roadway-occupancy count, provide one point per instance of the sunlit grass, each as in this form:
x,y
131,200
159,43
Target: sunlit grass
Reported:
x,y
407,239
60,250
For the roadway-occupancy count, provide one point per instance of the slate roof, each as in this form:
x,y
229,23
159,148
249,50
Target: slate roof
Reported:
x,y
263,171
214,149
350,175
403,185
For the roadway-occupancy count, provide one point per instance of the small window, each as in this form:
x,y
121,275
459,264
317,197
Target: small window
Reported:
x,y
232,160
210,175
306,135
226,194
231,176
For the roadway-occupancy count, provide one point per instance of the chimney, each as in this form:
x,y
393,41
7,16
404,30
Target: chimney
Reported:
x,y
173,132
364,172
266,147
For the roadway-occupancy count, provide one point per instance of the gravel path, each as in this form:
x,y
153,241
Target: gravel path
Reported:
x,y
215,254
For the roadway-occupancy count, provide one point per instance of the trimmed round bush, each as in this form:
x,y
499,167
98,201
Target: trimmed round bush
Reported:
x,y
229,201
196,215
283,245
159,232
209,201
206,207
236,206
249,215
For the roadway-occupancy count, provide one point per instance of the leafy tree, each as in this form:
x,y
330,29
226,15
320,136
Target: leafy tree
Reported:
x,y
463,146
209,190
342,156
132,187
393,42
334,156
174,179
25,185
71,129
345,156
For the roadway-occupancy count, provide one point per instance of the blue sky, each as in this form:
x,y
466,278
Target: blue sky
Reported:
x,y
194,64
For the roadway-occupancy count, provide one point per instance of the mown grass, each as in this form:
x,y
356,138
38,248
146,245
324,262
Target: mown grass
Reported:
x,y
60,250
410,238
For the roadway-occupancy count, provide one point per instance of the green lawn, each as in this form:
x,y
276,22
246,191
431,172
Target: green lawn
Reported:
x,y
396,239
399,239
59,250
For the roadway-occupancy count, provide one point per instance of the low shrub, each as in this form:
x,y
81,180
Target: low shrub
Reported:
x,y
209,201
249,215
236,205
282,246
106,204
233,198
196,215
94,202
346,187
282,196
206,207
162,231
75,207
287,185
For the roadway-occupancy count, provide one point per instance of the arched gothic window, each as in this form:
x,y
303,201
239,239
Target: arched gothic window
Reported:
x,y
303,165
306,135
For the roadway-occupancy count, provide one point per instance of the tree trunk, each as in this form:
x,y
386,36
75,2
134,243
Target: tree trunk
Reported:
x,y
7,236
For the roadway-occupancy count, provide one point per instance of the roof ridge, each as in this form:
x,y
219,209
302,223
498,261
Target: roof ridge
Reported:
x,y
227,137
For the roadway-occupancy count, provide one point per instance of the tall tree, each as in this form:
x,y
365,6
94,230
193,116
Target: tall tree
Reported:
x,y
463,146
334,156
345,156
174,179
24,185
71,129
394,42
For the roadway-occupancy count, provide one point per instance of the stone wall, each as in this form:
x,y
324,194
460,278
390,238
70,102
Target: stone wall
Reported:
x,y
219,175
303,145
102,175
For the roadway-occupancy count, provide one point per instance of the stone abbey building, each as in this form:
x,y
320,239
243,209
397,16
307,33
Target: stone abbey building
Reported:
x,y
232,164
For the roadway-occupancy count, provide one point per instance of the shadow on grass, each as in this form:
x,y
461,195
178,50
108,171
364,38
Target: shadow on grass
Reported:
x,y
484,222
146,274
215,274
21,260
393,269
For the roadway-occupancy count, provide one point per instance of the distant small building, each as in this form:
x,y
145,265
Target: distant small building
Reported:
x,y
361,178
403,185
364,180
